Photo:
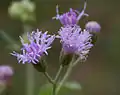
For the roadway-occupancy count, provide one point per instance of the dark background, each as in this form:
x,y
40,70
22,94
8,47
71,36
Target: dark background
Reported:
x,y
100,74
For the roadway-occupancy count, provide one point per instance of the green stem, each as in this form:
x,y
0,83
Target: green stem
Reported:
x,y
58,73
30,81
48,77
54,89
7,91
64,78
56,79
76,61
69,69
61,54
7,37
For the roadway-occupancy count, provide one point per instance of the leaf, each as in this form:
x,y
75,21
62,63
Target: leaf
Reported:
x,y
46,89
67,87
73,85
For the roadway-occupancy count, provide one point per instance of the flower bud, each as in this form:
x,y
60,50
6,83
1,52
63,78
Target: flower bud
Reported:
x,y
40,66
6,73
93,27
23,10
65,58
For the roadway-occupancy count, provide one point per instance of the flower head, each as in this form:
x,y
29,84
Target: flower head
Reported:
x,y
5,73
26,10
93,27
75,41
70,18
38,45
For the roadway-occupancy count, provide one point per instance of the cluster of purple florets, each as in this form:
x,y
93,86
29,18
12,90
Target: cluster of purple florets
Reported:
x,y
74,40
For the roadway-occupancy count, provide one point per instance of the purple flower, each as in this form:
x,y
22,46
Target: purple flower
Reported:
x,y
70,18
93,27
38,45
75,41
5,73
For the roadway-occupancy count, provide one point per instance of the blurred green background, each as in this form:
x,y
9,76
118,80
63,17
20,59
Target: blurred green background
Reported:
x,y
99,75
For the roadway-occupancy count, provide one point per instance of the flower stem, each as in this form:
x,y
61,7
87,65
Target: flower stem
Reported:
x,y
69,69
56,79
30,81
58,73
76,61
64,78
49,78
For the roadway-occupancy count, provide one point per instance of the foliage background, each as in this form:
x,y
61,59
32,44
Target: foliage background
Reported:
x,y
99,75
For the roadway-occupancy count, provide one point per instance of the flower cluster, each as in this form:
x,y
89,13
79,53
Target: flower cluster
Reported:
x,y
76,44
74,40
38,45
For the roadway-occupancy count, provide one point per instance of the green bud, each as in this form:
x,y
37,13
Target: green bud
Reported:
x,y
65,59
94,38
22,10
41,66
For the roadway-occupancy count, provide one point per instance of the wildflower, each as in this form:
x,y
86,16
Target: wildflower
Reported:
x,y
26,11
5,73
75,41
70,18
38,45
93,27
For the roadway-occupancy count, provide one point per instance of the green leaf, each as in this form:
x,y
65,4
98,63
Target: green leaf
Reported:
x,y
46,89
73,85
67,87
